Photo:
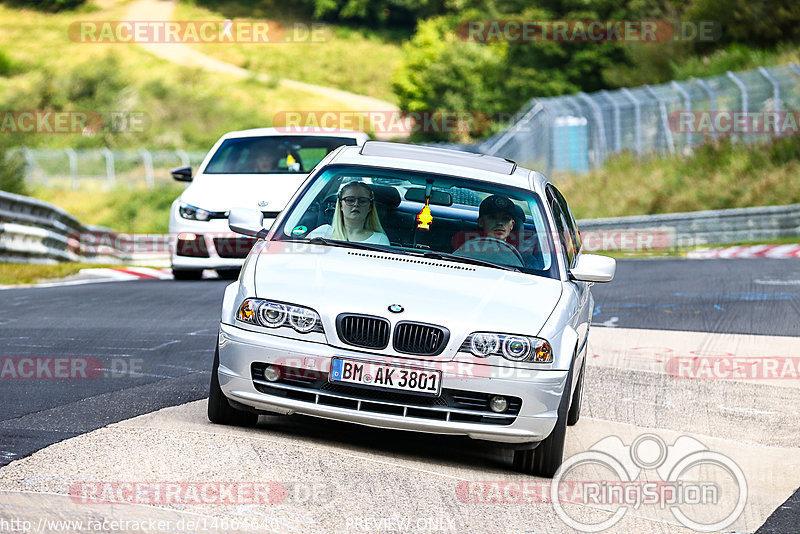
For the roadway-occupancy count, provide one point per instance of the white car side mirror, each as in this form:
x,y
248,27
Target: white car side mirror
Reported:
x,y
594,268
246,221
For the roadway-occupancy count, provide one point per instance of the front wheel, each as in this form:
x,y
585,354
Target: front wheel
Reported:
x,y
544,460
220,412
577,398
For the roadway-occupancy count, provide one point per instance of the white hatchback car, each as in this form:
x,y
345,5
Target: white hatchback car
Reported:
x,y
460,303
259,168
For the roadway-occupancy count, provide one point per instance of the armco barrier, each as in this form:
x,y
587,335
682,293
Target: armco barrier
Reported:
x,y
34,231
713,227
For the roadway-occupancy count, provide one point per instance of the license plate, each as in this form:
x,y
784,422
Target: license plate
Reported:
x,y
380,375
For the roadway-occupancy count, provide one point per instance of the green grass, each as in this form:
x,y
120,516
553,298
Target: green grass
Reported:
x,y
131,210
31,273
736,58
717,176
185,107
360,61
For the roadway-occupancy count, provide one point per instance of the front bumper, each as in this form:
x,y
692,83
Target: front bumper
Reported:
x,y
221,248
540,391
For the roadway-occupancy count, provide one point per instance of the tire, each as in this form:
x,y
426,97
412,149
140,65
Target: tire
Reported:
x,y
544,460
220,412
182,274
577,398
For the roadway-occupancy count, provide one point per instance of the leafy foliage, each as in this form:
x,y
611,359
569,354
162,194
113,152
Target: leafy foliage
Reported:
x,y
12,171
46,5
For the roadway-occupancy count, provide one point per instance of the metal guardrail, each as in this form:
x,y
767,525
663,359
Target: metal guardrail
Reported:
x,y
34,231
700,228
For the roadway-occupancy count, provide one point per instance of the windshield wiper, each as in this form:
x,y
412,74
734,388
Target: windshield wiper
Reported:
x,y
466,259
351,244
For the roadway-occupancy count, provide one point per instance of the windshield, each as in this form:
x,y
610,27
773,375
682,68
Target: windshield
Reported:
x,y
296,154
409,212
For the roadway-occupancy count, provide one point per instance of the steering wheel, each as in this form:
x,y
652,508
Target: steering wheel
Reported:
x,y
329,206
492,249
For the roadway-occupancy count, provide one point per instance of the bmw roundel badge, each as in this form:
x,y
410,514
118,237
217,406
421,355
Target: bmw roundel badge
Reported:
x,y
396,308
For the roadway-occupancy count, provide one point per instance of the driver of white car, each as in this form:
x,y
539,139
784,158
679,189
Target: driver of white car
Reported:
x,y
497,216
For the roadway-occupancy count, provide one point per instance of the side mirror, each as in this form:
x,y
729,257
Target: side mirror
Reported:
x,y
247,221
182,174
594,268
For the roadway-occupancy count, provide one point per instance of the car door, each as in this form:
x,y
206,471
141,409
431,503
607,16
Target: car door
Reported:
x,y
570,240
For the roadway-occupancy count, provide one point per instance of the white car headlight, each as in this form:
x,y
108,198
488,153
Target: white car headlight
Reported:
x,y
269,314
511,347
193,213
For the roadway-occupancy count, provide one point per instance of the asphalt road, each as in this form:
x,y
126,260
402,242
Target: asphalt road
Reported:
x,y
149,344
142,346
738,296
146,345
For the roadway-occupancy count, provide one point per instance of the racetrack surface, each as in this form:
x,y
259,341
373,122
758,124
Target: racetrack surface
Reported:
x,y
741,296
165,332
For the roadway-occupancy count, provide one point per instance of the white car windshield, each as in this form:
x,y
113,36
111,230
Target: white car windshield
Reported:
x,y
273,154
410,212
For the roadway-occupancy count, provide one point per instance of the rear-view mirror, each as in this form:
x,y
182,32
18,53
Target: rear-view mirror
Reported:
x,y
440,198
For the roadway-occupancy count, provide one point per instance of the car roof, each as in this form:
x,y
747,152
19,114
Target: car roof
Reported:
x,y
437,160
303,131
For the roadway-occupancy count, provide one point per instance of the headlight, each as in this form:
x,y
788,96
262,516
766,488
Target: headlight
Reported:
x,y
271,314
511,347
193,213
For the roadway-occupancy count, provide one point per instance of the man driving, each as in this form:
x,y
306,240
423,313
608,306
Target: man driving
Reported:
x,y
496,218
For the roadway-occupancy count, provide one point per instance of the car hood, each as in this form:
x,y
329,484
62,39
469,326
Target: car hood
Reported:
x,y
461,297
221,192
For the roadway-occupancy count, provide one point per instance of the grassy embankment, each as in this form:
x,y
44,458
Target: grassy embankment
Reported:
x,y
42,68
717,176
361,61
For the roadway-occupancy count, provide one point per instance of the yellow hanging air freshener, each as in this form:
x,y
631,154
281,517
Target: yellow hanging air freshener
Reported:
x,y
289,160
424,218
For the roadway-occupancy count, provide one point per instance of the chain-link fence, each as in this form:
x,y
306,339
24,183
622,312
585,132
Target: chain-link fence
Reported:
x,y
76,168
576,133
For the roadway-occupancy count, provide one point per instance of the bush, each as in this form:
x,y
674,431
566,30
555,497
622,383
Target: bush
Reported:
x,y
7,67
12,172
46,5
